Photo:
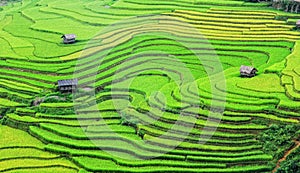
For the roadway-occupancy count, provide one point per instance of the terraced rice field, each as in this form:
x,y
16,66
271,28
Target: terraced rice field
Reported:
x,y
168,94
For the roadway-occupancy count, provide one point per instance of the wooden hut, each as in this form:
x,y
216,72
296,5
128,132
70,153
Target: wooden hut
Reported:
x,y
69,38
247,71
298,24
68,85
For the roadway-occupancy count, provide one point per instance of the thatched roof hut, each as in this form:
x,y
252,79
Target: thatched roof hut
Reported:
x,y
69,38
67,85
247,71
298,24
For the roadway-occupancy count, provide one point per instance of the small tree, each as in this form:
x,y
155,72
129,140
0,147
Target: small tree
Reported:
x,y
128,120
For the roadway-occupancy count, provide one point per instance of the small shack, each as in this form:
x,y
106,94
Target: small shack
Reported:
x,y
68,85
247,71
298,24
69,38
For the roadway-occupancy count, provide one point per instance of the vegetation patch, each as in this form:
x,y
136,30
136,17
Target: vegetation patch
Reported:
x,y
278,139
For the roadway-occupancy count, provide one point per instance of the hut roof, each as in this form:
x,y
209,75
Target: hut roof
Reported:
x,y
68,82
69,36
298,22
246,69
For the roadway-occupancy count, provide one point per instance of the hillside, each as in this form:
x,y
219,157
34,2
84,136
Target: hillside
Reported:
x,y
159,87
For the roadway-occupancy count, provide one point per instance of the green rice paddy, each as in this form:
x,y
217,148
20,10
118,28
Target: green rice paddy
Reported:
x,y
157,107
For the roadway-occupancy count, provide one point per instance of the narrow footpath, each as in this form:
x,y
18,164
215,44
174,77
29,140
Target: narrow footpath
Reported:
x,y
296,145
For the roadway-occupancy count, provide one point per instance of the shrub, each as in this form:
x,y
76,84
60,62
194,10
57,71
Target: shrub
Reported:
x,y
291,164
278,138
128,120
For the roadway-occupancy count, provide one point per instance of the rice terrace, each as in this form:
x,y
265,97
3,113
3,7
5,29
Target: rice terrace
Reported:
x,y
209,86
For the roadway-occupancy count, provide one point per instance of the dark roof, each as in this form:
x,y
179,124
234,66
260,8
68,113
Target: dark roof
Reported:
x,y
68,82
247,69
69,36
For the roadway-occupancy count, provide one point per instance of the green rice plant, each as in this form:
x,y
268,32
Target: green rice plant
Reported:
x,y
14,42
290,92
15,164
115,128
29,119
286,104
79,116
35,14
94,165
163,6
119,10
242,11
13,93
23,152
263,115
292,33
33,59
229,14
80,8
85,19
195,139
134,150
13,138
80,133
9,53
34,77
228,19
197,132
196,3
25,111
204,147
39,67
8,103
68,142
47,39
65,17
241,159
271,86
19,86
57,105
24,66
83,133
45,169
108,164
216,154
286,80
285,113
24,79
108,156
